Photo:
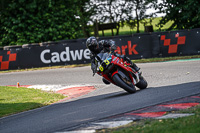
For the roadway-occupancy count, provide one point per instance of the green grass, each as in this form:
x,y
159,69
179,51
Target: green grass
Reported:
x,y
127,31
14,100
165,59
190,124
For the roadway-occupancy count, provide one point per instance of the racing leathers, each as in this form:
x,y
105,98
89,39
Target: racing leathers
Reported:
x,y
106,47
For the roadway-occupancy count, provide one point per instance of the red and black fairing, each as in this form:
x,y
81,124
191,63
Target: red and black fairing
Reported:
x,y
115,65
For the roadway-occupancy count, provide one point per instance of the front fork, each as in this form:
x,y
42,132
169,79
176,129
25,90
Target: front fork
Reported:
x,y
136,77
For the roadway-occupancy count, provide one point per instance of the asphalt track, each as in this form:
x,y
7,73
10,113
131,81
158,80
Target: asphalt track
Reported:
x,y
167,81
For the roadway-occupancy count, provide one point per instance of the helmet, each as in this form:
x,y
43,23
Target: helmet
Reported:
x,y
92,45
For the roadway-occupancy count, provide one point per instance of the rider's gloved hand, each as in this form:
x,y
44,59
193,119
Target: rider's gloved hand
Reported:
x,y
113,47
123,57
104,43
92,56
128,60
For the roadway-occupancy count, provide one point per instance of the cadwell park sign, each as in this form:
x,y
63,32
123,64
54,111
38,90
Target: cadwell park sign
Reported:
x,y
137,46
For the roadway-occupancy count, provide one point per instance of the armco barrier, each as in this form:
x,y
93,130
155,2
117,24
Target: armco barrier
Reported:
x,y
67,52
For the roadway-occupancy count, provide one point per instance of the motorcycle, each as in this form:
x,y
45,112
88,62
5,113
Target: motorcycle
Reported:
x,y
115,70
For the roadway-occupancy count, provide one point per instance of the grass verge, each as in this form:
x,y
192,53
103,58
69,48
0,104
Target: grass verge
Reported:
x,y
126,30
14,100
190,124
166,59
135,61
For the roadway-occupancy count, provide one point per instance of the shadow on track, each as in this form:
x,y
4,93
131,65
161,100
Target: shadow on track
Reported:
x,y
62,116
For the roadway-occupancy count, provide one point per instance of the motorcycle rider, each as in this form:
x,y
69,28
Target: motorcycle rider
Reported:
x,y
104,47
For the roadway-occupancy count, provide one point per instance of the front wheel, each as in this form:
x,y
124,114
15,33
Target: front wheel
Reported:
x,y
142,84
119,82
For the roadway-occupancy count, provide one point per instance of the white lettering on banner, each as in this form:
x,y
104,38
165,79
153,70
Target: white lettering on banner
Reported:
x,y
64,55
76,54
86,54
42,56
55,57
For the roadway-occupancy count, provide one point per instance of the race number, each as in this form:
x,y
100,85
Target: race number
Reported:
x,y
101,68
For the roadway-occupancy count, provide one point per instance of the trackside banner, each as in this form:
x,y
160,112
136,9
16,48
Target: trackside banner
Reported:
x,y
179,43
138,46
159,44
61,54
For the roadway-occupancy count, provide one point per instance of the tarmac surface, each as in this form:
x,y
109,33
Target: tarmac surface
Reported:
x,y
167,81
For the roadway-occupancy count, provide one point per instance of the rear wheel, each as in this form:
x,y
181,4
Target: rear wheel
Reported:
x,y
130,88
142,84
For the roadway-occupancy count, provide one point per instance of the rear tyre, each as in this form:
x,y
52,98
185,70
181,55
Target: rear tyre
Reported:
x,y
119,82
142,84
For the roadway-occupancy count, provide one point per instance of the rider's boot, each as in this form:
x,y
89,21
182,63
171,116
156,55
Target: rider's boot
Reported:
x,y
135,67
105,81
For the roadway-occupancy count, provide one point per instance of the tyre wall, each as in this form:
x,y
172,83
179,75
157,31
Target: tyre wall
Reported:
x,y
68,52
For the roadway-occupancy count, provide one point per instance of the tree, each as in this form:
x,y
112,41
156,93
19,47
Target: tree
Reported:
x,y
110,11
185,14
131,12
138,12
34,21
85,9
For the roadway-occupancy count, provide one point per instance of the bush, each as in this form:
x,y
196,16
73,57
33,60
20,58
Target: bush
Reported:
x,y
34,21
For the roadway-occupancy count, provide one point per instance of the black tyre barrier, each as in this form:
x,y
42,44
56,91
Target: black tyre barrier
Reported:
x,y
11,47
69,52
31,45
44,44
35,45
26,46
50,43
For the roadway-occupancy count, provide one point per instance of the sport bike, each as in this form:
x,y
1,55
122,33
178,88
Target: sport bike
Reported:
x,y
115,70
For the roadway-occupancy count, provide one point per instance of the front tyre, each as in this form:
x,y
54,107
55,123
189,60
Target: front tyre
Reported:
x,y
105,81
119,82
142,84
